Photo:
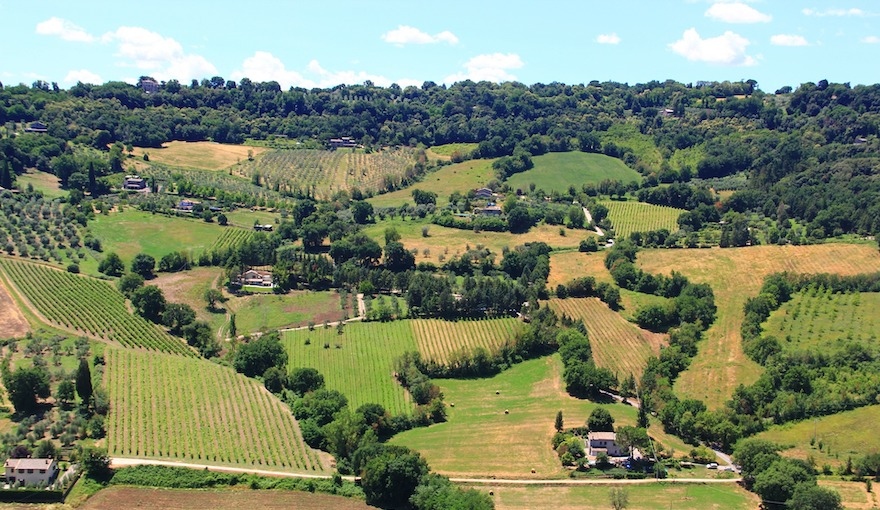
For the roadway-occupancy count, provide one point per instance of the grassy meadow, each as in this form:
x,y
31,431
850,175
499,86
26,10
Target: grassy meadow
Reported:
x,y
617,344
685,496
630,216
447,150
736,274
148,498
556,171
262,312
573,264
463,177
44,182
842,435
199,155
532,392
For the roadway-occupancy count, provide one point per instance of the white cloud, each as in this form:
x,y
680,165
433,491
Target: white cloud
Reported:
x,y
788,40
64,29
871,39
162,56
82,75
264,66
736,12
405,34
726,49
493,67
835,12
611,38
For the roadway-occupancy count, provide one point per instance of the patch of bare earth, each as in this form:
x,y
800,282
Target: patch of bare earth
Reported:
x,y
116,498
12,322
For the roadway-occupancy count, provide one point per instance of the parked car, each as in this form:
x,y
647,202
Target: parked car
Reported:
x,y
712,465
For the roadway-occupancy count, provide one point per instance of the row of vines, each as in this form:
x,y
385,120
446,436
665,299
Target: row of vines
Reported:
x,y
87,305
628,217
439,339
170,407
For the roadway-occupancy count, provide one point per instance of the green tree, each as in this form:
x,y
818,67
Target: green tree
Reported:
x,y
754,456
808,496
558,424
222,220
84,382
65,394
398,258
257,356
391,235
619,498
576,217
274,379
95,462
129,283
436,492
25,386
149,302
518,219
600,420
361,211
632,437
198,334
111,265
213,296
304,380
778,481
143,265
390,479
178,315
45,450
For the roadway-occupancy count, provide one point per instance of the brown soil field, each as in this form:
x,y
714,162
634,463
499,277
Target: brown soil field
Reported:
x,y
12,322
736,274
116,498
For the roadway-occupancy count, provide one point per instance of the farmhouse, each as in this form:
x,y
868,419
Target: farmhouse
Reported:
x,y
263,228
343,142
483,193
36,127
604,442
186,205
489,210
134,183
148,85
255,277
32,472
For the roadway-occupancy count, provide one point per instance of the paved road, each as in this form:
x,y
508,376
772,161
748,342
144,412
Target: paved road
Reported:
x,y
599,481
590,220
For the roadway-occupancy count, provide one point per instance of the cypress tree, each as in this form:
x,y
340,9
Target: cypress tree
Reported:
x,y
84,381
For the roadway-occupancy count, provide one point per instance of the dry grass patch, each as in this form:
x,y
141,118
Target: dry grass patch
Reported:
x,y
618,345
115,498
199,155
736,274
852,494
567,265
12,321
461,177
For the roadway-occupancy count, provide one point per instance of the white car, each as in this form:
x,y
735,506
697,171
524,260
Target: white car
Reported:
x,y
712,465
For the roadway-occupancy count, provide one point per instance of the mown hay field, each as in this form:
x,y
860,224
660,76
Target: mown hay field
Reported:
x,y
736,274
199,155
556,171
169,407
617,344
461,177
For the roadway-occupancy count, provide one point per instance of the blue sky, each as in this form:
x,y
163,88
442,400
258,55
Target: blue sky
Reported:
x,y
309,44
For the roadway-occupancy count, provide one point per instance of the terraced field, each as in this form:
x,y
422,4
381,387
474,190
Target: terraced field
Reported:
x,y
169,407
618,345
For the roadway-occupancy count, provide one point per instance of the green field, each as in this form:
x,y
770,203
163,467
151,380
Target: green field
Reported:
x,y
556,171
690,496
438,339
359,362
842,435
819,320
131,232
480,440
85,305
272,311
462,177
629,216
44,182
447,150
170,407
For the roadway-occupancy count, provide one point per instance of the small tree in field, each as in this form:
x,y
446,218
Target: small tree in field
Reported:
x,y
559,422
619,498
212,296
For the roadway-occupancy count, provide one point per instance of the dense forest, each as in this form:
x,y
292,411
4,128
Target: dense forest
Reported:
x,y
810,154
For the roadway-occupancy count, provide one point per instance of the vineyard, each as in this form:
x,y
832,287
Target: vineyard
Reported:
x,y
359,362
819,319
628,217
438,339
165,406
86,305
323,172
617,344
231,238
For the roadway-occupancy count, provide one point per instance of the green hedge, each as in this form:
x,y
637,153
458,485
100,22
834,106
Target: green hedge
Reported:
x,y
30,495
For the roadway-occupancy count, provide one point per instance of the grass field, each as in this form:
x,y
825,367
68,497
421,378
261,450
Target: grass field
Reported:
x,y
359,362
480,440
618,345
567,265
556,171
451,242
446,151
850,433
273,311
853,495
736,274
44,182
437,339
629,216
818,320
199,155
193,410
131,232
640,496
117,497
85,305
461,177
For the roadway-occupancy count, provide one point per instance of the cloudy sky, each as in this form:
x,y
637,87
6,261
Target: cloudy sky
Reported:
x,y
320,44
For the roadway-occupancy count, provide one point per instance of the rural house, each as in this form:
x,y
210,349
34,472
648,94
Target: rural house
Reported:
x,y
483,193
36,127
134,183
256,277
344,142
31,472
489,210
604,442
148,85
263,228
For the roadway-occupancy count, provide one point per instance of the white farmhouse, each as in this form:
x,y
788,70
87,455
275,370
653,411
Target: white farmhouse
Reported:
x,y
31,472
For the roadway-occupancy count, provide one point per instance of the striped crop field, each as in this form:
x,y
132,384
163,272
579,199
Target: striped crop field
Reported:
x,y
618,345
231,238
437,339
628,217
86,305
169,407
359,362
